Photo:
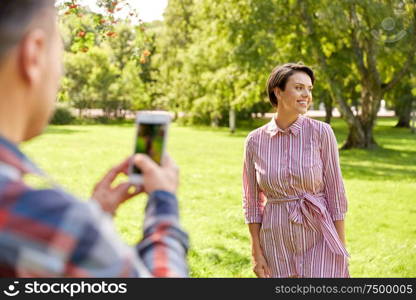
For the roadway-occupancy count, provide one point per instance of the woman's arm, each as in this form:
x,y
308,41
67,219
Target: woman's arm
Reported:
x,y
254,229
253,205
339,226
334,186
260,267
332,178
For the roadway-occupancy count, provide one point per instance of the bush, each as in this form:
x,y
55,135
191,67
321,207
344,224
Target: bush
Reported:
x,y
62,116
102,120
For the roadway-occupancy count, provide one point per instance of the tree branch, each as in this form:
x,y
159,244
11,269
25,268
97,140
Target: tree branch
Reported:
x,y
354,41
334,88
371,61
399,74
409,61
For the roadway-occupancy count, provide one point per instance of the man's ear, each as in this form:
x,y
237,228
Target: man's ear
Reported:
x,y
32,56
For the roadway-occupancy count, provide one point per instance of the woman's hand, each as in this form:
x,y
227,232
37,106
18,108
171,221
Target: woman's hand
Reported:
x,y
260,268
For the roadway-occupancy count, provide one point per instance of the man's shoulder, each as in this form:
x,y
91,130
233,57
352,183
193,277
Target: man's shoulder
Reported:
x,y
41,229
50,206
47,199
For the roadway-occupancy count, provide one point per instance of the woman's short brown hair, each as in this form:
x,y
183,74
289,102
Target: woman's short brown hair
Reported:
x,y
279,76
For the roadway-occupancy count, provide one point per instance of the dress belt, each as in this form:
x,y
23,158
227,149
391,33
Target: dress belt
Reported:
x,y
312,213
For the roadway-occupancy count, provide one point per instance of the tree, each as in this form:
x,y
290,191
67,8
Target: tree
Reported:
x,y
107,59
218,65
403,96
357,23
173,39
75,84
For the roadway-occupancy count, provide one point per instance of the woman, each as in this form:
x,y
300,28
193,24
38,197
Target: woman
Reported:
x,y
293,195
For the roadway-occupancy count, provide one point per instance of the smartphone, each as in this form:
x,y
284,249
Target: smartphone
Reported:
x,y
151,134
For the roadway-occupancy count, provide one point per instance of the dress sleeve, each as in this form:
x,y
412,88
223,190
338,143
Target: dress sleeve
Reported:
x,y
333,184
253,199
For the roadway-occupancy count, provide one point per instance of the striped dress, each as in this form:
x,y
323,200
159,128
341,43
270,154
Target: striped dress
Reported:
x,y
292,185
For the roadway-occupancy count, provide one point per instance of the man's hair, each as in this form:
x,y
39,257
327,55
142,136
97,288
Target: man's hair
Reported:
x,y
279,76
15,16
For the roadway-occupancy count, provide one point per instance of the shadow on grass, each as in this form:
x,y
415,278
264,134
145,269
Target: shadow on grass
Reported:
x,y
63,129
384,164
55,129
224,257
375,173
242,130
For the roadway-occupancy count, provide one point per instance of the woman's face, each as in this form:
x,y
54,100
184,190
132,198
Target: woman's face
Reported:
x,y
297,96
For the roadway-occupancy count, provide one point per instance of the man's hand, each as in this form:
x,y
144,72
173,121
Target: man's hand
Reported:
x,y
155,177
111,197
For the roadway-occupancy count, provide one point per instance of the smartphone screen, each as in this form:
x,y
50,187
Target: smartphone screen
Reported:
x,y
149,140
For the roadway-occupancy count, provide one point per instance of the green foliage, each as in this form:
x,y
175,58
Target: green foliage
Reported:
x,y
62,116
106,66
215,56
207,58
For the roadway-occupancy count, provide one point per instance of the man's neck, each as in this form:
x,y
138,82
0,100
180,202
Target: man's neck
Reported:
x,y
10,133
12,122
13,104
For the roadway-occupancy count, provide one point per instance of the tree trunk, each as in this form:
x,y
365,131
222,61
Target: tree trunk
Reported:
x,y
403,122
355,138
215,122
403,111
232,120
328,109
361,133
360,137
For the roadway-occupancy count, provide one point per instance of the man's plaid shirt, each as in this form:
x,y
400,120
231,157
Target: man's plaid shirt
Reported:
x,y
49,233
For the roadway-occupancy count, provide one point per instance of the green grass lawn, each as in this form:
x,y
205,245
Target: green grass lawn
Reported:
x,y
380,184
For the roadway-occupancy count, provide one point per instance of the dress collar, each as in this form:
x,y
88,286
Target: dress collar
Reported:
x,y
294,129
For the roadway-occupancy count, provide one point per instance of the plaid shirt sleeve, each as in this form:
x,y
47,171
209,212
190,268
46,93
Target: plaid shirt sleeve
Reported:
x,y
48,233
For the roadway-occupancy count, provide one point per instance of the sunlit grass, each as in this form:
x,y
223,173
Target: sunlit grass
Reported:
x,y
380,184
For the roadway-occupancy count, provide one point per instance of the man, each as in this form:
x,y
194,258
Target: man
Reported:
x,y
47,232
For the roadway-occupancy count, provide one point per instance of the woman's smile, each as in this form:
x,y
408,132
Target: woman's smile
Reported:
x,y
303,103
